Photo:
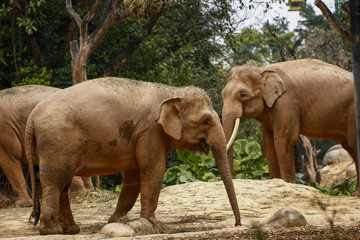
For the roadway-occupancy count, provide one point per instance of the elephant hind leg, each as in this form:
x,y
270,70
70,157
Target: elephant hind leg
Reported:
x,y
351,148
55,197
49,216
66,218
10,162
129,193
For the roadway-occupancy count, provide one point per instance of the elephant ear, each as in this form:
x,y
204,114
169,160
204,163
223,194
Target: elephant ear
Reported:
x,y
169,117
274,87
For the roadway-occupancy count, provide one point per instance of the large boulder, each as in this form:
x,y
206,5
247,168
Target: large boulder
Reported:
x,y
337,167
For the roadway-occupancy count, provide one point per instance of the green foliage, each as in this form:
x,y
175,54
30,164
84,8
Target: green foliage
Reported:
x,y
117,189
345,189
194,167
248,163
28,24
199,167
33,74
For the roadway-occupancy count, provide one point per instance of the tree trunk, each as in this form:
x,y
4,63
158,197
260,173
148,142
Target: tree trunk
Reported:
x,y
355,32
308,160
333,20
78,63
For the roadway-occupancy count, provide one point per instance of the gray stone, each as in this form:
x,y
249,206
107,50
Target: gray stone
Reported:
x,y
286,217
117,230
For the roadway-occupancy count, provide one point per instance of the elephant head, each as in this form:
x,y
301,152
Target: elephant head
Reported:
x,y
192,124
248,91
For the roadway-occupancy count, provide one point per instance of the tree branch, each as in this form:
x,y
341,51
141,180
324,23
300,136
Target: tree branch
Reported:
x,y
112,16
346,7
120,61
72,13
281,42
90,14
333,20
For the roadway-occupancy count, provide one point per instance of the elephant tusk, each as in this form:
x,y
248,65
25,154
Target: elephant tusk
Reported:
x,y
233,135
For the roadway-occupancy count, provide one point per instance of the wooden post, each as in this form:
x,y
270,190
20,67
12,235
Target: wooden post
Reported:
x,y
355,37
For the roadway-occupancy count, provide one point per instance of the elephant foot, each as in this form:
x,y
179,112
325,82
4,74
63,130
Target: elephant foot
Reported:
x,y
154,220
357,193
73,229
115,217
50,230
24,202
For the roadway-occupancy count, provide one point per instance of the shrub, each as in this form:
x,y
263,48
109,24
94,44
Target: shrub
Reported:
x,y
248,163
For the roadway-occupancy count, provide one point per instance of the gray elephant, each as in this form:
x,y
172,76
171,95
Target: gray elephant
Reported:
x,y
110,125
16,105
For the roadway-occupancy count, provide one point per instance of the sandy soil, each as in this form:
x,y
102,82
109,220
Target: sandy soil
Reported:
x,y
202,211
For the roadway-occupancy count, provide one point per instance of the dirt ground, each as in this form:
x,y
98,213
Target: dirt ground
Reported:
x,y
201,210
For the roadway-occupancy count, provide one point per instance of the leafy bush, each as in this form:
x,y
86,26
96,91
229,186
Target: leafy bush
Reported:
x,y
195,167
345,189
32,74
199,167
248,162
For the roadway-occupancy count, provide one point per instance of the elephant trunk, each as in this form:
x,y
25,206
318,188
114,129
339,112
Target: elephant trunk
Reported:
x,y
218,144
229,119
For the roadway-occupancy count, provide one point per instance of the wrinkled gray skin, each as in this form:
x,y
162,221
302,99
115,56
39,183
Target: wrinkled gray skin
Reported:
x,y
15,106
110,125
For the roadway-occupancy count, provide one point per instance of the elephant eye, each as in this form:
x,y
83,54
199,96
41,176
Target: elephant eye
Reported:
x,y
206,122
242,95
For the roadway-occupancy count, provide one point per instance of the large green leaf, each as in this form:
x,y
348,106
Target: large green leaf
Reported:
x,y
253,149
209,177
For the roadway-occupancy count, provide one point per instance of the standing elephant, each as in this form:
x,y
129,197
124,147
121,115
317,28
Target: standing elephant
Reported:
x,y
16,105
110,125
308,97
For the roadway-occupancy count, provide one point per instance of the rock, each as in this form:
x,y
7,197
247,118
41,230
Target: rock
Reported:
x,y
336,160
351,171
335,155
117,230
286,217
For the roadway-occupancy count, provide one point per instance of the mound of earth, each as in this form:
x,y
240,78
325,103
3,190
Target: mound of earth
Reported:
x,y
201,210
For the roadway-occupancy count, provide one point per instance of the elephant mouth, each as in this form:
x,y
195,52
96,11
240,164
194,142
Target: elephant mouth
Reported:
x,y
204,146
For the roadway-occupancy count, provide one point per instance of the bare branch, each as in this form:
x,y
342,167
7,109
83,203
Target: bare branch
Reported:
x,y
343,30
111,17
90,14
281,42
120,61
346,7
72,13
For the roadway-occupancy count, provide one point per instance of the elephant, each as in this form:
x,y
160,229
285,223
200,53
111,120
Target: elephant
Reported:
x,y
16,103
308,97
15,106
109,125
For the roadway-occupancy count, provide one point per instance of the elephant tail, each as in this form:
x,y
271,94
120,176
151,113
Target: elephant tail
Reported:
x,y
29,147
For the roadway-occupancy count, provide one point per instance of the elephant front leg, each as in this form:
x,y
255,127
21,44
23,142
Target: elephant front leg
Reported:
x,y
129,192
152,170
270,153
284,141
